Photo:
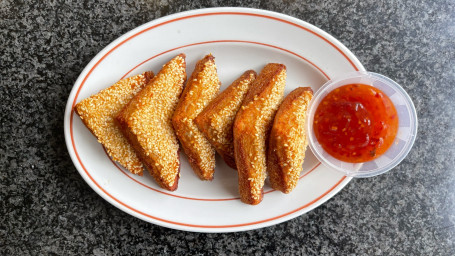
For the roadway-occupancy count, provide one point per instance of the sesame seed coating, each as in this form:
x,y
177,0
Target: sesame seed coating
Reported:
x,y
200,89
288,140
146,122
251,127
98,114
217,119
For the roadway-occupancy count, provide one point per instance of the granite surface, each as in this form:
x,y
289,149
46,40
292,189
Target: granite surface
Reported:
x,y
46,207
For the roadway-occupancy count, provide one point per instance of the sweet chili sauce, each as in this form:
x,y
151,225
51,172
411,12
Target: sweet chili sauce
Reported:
x,y
356,123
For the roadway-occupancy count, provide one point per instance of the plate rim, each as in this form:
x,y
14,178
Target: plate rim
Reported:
x,y
180,16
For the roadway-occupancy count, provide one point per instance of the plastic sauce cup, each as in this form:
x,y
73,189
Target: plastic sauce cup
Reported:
x,y
405,137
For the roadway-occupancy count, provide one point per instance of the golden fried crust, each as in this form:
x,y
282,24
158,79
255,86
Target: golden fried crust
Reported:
x,y
251,127
200,89
217,119
288,140
146,122
98,113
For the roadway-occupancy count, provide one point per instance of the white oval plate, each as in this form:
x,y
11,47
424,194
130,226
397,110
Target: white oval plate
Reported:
x,y
240,39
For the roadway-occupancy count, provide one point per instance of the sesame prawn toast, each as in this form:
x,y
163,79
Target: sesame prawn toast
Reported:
x,y
288,140
251,128
200,89
98,114
217,119
146,122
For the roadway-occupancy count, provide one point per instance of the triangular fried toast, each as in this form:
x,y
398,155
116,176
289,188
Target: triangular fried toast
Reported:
x,y
98,114
146,122
288,140
200,89
251,127
217,119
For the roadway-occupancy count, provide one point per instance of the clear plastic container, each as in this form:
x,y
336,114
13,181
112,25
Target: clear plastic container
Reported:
x,y
407,130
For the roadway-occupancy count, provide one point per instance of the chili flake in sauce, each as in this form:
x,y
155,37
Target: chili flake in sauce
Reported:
x,y
356,123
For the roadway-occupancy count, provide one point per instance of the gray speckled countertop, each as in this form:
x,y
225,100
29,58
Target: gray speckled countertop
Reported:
x,y
47,208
